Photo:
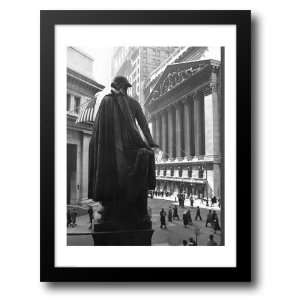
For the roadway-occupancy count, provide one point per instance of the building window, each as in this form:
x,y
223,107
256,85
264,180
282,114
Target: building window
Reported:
x,y
77,104
165,172
180,172
190,172
68,102
172,171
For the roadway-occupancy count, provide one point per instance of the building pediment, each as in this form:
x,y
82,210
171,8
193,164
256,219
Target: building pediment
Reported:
x,y
176,74
84,81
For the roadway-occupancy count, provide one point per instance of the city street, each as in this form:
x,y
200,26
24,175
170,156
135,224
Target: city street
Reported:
x,y
173,235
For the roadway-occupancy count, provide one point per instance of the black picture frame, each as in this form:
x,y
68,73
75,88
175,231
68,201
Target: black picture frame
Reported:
x,y
48,271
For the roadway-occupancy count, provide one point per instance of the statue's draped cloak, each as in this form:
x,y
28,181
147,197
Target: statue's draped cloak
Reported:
x,y
121,163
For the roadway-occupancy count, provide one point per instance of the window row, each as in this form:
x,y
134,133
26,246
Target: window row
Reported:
x,y
199,173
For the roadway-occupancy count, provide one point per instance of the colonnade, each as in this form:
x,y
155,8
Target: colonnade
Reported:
x,y
188,128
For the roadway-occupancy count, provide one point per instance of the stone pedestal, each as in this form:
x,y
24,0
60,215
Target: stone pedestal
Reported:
x,y
130,237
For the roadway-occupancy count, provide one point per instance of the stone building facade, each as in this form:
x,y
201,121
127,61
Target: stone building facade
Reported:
x,y
186,118
81,87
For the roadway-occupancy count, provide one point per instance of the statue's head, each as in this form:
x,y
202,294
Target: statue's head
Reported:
x,y
120,83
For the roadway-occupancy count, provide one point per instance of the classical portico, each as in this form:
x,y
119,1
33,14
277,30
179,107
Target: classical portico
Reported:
x,y
81,88
185,117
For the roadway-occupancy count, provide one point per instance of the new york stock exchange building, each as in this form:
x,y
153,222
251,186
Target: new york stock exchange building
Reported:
x,y
185,109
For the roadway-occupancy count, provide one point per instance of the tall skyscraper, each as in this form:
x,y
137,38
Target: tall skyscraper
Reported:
x,y
137,63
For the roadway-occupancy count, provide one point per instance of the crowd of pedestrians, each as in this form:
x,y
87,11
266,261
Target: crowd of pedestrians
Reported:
x,y
212,218
179,213
71,217
182,197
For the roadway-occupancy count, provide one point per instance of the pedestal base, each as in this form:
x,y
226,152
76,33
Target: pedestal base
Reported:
x,y
140,237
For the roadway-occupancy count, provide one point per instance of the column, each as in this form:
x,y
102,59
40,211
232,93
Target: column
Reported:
x,y
153,122
212,130
72,104
164,133
158,130
199,125
85,166
187,129
178,120
170,132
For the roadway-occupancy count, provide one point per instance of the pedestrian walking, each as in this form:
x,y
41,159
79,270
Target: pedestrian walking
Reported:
x,y
215,221
163,219
73,218
191,201
198,214
211,241
189,217
175,213
182,200
185,219
208,218
170,215
213,200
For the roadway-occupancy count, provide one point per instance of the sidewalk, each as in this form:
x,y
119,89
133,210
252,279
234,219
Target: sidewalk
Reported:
x,y
187,202
172,236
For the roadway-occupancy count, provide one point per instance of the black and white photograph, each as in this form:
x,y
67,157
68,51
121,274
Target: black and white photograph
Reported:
x,y
144,127
145,153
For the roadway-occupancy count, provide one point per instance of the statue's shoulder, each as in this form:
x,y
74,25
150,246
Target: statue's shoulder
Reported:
x,y
132,102
107,98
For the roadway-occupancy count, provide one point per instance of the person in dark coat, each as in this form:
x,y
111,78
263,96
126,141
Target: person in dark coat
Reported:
x,y
163,219
189,217
185,219
121,161
208,218
192,201
182,200
213,200
175,213
198,214
215,221
73,218
170,215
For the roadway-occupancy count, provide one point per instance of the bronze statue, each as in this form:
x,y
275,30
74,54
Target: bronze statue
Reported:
x,y
121,161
